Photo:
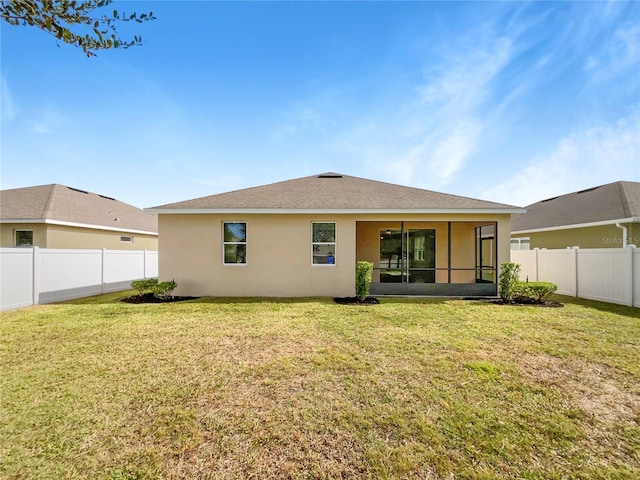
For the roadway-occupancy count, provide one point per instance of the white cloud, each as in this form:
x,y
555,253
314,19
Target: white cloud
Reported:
x,y
9,109
620,54
420,133
596,156
442,153
442,124
298,117
48,121
316,115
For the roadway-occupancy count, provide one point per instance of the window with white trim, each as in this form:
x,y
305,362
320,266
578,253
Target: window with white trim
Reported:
x,y
521,243
23,238
234,243
323,243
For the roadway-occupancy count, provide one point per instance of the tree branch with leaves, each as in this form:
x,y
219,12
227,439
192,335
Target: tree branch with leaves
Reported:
x,y
77,23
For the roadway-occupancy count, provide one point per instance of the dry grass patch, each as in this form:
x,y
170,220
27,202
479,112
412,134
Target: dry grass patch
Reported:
x,y
609,402
593,388
254,388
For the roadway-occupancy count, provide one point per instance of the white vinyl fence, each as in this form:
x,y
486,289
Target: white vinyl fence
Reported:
x,y
33,276
606,274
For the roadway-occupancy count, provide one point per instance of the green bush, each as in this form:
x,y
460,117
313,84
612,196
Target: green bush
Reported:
x,y
508,278
538,292
364,272
164,289
144,286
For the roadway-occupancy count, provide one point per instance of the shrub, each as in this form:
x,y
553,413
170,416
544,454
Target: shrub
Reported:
x,y
144,286
364,272
538,292
164,289
508,278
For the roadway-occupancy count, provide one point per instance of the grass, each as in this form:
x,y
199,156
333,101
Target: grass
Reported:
x,y
305,388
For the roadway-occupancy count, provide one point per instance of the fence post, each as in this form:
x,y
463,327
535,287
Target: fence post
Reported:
x,y
35,276
632,287
102,263
577,273
536,250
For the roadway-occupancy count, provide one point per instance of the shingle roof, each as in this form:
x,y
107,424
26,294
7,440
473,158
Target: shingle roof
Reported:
x,y
65,204
612,201
332,192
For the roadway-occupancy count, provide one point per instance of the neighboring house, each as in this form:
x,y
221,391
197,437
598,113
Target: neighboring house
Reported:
x,y
303,237
607,216
55,216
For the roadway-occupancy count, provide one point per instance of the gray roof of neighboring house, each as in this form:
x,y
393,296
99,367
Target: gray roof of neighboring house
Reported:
x,y
65,204
612,201
332,192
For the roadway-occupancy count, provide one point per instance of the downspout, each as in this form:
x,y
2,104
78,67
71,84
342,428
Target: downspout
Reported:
x,y
625,234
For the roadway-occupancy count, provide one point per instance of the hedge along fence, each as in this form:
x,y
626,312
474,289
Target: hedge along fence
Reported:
x,y
605,274
33,276
538,292
512,289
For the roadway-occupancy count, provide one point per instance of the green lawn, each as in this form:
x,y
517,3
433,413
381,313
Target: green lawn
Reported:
x,y
305,388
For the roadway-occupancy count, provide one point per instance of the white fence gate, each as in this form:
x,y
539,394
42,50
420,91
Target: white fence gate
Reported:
x,y
606,274
32,276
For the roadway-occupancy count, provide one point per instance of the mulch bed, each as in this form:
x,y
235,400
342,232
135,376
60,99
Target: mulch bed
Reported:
x,y
151,298
356,301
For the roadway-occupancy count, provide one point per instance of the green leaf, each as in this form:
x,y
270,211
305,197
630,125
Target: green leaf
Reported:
x,y
70,20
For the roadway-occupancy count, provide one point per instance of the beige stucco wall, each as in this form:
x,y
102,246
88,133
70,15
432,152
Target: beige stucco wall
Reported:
x,y
605,236
463,248
279,252
278,257
59,236
7,234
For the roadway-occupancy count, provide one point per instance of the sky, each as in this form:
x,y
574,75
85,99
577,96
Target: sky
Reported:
x,y
512,102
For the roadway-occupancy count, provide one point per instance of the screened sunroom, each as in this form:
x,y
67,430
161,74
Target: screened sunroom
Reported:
x,y
430,258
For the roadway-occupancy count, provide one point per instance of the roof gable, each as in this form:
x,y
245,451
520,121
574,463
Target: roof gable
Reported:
x,y
330,192
66,204
612,201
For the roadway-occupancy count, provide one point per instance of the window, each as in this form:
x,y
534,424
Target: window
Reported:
x,y
126,239
24,238
323,243
522,243
234,243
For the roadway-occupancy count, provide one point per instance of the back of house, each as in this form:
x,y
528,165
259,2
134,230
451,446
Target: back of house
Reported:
x,y
303,237
57,216
606,216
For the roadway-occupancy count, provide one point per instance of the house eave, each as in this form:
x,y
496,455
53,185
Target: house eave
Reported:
x,y
74,224
578,225
318,211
